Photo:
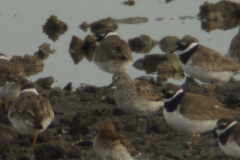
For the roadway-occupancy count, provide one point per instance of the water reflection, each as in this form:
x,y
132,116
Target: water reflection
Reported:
x,y
164,77
44,51
132,20
129,3
78,48
222,15
104,23
54,28
30,64
84,26
142,44
31,26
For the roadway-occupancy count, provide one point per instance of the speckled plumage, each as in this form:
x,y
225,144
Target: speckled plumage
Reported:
x,y
12,77
30,113
110,145
135,96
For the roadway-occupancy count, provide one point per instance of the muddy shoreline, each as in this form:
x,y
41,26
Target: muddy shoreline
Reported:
x,y
78,113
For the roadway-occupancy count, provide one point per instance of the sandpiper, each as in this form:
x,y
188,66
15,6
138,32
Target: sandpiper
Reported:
x,y
112,54
228,131
110,145
192,113
205,64
12,77
135,96
30,113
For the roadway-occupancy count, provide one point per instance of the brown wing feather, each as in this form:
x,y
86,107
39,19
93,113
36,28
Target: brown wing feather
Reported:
x,y
11,72
32,108
113,48
127,144
235,42
213,61
146,90
208,107
10,68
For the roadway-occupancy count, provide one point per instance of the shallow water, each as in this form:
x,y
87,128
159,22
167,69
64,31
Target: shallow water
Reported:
x,y
21,32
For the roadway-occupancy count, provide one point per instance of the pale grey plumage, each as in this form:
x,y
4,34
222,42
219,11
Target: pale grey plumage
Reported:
x,y
135,96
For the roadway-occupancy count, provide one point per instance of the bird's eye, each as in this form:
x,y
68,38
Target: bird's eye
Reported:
x,y
221,127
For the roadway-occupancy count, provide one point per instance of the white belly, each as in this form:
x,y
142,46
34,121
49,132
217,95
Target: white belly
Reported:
x,y
26,127
134,104
231,149
183,124
206,76
114,66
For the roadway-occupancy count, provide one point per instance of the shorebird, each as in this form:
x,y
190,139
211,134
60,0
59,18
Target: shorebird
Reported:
x,y
110,145
112,54
135,96
192,113
205,64
228,131
234,48
30,113
12,77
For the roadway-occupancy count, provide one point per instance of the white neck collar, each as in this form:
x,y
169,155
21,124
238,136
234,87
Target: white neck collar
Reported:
x,y
3,57
29,90
110,34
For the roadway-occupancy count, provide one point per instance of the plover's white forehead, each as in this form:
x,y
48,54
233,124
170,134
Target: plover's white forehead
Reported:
x,y
168,99
191,46
220,131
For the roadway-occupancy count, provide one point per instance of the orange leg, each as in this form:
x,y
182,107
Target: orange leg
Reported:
x,y
194,141
5,103
34,141
211,91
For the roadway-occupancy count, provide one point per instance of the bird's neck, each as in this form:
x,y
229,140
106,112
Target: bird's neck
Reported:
x,y
171,106
184,57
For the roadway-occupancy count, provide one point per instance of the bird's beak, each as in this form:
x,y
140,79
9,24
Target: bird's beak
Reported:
x,y
173,51
110,85
159,98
